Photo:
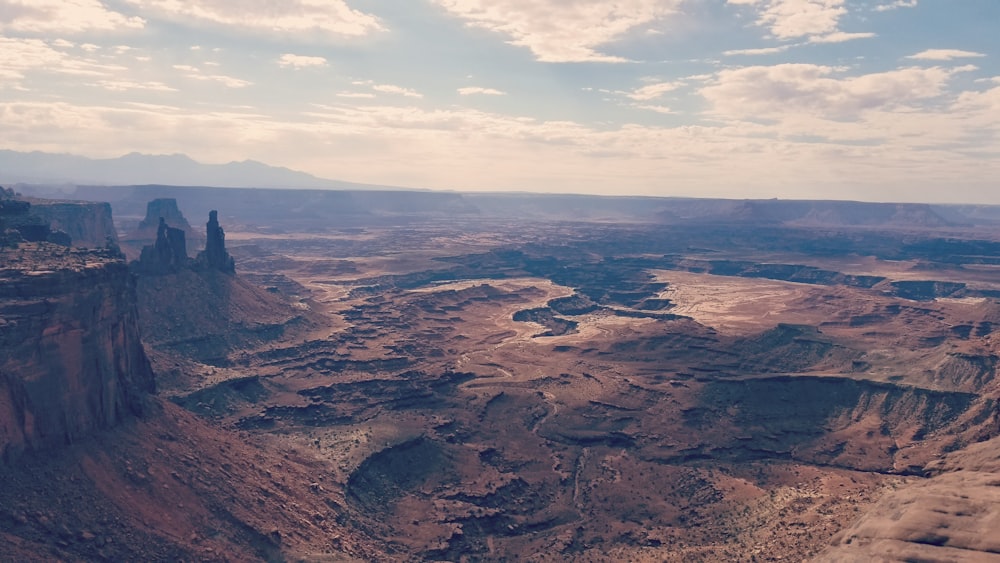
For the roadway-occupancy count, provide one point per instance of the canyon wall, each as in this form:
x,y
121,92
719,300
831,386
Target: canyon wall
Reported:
x,y
88,224
71,358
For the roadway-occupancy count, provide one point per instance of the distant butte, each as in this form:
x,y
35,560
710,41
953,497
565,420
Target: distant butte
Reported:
x,y
163,209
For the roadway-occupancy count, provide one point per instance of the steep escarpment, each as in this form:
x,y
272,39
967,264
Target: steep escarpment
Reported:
x,y
88,224
836,421
20,223
72,359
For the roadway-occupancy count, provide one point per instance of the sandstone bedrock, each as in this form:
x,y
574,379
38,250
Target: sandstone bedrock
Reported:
x,y
73,359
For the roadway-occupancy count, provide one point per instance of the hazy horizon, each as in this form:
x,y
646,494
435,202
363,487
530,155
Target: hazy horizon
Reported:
x,y
874,100
144,170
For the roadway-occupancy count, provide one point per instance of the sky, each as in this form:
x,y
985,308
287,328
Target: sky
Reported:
x,y
876,100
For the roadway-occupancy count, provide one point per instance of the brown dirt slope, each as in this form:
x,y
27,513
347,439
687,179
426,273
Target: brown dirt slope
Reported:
x,y
205,315
173,488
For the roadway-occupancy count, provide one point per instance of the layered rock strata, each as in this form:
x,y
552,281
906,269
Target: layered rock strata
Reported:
x,y
71,358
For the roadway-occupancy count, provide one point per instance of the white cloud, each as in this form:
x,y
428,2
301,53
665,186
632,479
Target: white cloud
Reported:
x,y
944,55
840,37
773,129
18,57
782,90
393,89
227,81
653,91
788,19
559,30
452,147
62,16
896,5
300,61
472,90
106,131
819,20
384,88
656,108
985,105
195,73
324,17
123,85
760,51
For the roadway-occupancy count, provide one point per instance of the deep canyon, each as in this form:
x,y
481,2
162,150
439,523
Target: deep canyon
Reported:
x,y
435,376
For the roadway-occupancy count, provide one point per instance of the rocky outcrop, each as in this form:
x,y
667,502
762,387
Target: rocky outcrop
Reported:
x,y
159,210
198,309
215,256
167,255
20,222
949,517
88,224
72,360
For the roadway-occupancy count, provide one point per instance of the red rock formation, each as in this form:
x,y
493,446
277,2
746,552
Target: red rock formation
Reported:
x,y
72,360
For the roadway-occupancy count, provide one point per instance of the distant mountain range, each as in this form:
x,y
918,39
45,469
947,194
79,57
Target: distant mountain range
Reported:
x,y
135,169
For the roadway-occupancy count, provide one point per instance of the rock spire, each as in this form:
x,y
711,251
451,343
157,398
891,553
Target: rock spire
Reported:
x,y
168,254
215,256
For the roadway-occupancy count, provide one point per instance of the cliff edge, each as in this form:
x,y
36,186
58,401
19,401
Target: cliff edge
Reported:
x,y
88,224
71,358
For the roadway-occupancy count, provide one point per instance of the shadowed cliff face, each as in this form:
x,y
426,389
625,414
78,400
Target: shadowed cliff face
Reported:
x,y
89,225
72,360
